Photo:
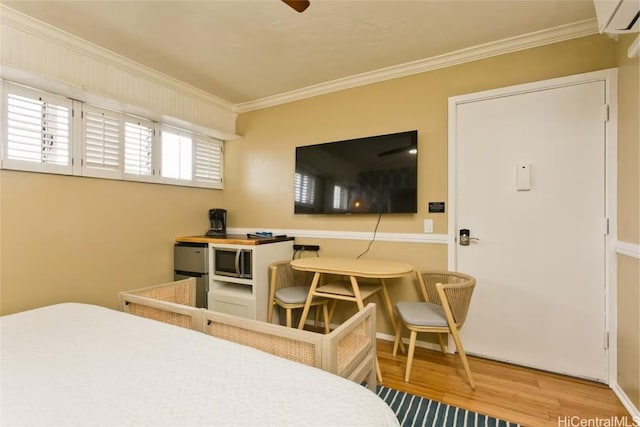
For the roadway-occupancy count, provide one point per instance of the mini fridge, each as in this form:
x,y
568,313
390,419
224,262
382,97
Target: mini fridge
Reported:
x,y
192,260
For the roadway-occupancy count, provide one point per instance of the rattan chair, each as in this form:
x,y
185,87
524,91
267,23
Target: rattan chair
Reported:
x,y
447,295
289,288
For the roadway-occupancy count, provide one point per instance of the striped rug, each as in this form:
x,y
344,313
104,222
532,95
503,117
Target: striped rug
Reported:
x,y
419,411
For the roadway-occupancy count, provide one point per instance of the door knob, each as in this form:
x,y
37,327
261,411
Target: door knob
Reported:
x,y
465,237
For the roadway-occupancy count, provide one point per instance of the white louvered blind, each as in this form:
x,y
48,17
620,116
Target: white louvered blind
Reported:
x,y
102,140
38,131
45,132
138,146
208,161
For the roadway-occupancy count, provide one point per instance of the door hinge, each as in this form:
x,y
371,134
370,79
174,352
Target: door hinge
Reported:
x,y
606,340
605,113
606,226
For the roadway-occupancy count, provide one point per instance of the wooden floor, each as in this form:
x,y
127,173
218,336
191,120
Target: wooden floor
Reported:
x,y
529,397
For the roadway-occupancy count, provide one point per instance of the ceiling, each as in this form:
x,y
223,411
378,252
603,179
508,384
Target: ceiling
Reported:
x,y
246,50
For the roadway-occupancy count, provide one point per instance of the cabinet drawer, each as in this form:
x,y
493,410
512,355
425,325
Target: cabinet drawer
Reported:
x,y
231,304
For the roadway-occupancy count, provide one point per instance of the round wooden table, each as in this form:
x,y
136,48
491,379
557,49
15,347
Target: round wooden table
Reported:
x,y
351,290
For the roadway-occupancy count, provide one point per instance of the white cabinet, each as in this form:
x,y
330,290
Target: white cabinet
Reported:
x,y
245,297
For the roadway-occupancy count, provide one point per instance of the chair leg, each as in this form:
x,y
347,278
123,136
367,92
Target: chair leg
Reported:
x,y
316,314
412,347
396,341
443,345
270,312
333,308
463,356
288,317
325,315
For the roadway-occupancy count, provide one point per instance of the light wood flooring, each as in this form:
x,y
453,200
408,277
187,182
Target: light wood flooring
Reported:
x,y
527,396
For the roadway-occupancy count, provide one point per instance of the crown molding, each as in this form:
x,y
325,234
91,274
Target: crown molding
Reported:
x,y
42,30
539,38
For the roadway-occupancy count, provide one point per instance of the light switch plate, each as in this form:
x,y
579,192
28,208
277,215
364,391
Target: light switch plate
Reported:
x,y
428,226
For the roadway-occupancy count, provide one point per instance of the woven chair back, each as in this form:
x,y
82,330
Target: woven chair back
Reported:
x,y
458,289
285,276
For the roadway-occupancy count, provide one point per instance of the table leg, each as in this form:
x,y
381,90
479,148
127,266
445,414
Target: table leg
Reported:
x,y
387,302
356,292
307,304
358,297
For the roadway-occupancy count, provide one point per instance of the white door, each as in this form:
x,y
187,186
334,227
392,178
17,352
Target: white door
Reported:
x,y
530,186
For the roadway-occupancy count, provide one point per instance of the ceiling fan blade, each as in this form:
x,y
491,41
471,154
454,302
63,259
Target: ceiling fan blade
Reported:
x,y
297,5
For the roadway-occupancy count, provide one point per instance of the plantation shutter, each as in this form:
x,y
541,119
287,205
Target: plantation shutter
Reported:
x,y
208,161
38,131
102,140
138,147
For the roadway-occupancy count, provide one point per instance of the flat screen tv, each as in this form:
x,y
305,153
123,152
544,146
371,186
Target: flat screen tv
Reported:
x,y
371,175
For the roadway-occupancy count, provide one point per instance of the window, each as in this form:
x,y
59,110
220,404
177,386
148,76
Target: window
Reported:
x,y
38,131
102,131
177,154
50,133
190,156
208,160
304,191
138,147
340,198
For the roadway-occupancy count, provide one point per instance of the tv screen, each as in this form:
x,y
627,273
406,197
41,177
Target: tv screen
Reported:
x,y
375,174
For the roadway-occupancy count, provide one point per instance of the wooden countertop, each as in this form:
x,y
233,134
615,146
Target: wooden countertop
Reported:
x,y
232,239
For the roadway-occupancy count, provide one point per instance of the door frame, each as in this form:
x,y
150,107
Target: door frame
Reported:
x,y
610,79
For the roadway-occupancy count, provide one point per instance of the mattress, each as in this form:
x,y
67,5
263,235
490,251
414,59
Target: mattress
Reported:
x,y
83,365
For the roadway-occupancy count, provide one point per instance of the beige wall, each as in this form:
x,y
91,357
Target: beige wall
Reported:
x,y
260,167
628,270
82,239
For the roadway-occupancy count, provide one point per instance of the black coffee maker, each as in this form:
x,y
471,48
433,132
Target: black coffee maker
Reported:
x,y
218,221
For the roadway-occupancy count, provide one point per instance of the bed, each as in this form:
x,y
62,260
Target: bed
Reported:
x,y
77,364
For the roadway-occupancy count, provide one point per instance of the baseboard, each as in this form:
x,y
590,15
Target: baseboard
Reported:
x,y
626,402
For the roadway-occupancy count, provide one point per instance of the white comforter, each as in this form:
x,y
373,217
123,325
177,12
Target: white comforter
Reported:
x,y
82,365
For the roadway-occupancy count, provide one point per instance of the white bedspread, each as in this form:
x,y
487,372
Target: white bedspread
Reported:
x,y
83,365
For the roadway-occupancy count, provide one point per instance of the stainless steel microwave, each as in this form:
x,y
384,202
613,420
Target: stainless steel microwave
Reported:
x,y
232,262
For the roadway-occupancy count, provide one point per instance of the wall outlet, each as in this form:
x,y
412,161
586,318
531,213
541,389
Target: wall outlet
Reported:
x,y
428,226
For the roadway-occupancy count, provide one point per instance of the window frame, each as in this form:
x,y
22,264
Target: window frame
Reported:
x,y
26,165
81,142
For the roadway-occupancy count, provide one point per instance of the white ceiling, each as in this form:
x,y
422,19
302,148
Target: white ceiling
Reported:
x,y
245,50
